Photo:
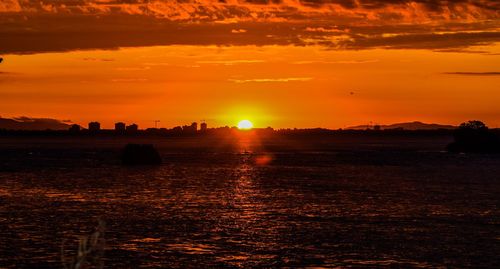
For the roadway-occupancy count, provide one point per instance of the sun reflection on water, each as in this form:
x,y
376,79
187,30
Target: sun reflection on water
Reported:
x,y
247,206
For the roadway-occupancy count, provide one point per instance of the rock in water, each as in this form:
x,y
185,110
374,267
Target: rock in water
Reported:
x,y
140,154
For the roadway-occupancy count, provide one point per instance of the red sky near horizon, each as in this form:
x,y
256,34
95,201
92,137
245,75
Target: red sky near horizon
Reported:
x,y
280,63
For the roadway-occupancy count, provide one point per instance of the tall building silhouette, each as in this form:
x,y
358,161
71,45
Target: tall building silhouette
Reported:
x,y
132,128
190,129
203,127
94,126
120,127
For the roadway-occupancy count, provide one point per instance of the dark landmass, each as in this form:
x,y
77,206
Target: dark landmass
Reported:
x,y
43,124
62,129
231,132
32,124
471,136
416,125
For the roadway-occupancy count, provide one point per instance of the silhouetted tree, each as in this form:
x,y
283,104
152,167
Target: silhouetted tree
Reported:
x,y
473,125
474,136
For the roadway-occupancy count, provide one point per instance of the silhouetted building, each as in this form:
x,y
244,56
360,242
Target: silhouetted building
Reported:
x,y
120,127
203,127
190,129
94,126
177,130
155,131
132,128
75,128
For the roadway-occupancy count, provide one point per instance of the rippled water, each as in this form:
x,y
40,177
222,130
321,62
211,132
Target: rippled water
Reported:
x,y
242,205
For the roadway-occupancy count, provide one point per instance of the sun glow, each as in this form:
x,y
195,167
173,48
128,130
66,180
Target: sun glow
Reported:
x,y
245,125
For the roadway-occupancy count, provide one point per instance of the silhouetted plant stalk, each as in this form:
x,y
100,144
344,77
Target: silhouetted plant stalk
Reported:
x,y
90,250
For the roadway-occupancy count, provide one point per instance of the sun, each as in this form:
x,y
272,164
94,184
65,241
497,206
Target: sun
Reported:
x,y
245,125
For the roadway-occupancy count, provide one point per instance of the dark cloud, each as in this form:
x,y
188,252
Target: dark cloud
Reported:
x,y
35,26
134,31
423,41
171,8
473,73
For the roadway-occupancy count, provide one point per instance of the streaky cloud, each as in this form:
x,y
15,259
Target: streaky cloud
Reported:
x,y
473,73
264,80
231,62
337,62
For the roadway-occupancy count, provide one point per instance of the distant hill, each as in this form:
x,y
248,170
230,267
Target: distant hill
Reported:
x,y
416,125
26,123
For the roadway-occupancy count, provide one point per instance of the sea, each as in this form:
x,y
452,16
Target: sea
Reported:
x,y
249,202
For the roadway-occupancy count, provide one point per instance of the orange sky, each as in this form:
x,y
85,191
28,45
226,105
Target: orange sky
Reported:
x,y
282,64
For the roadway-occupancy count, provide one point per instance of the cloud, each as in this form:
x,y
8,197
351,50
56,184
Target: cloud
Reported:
x,y
10,6
156,64
129,80
238,31
473,73
326,30
291,79
423,41
133,68
265,10
30,26
99,59
337,62
231,62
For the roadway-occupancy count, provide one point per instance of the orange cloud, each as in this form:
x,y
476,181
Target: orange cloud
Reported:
x,y
215,10
291,79
30,26
10,6
231,62
238,31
